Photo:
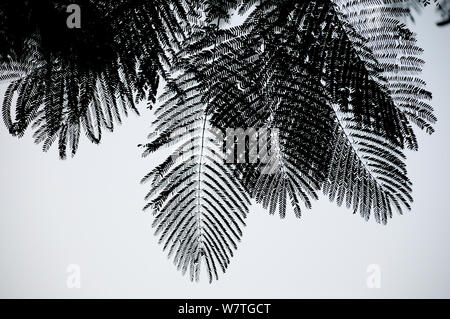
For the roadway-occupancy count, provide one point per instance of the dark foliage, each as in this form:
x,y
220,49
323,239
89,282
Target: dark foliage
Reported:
x,y
67,80
338,80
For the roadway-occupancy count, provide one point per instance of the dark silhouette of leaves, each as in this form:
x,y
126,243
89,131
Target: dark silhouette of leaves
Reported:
x,y
332,89
69,80
199,205
286,69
